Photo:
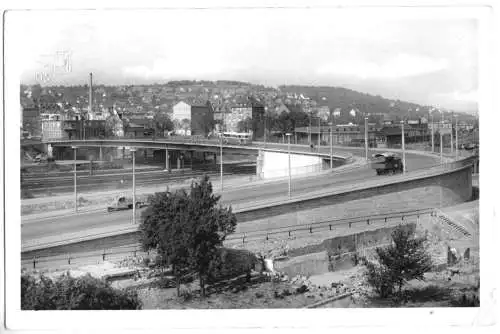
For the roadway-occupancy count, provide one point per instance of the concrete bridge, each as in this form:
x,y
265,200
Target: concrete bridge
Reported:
x,y
272,159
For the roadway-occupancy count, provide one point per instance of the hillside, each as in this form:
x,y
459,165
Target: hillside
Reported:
x,y
338,97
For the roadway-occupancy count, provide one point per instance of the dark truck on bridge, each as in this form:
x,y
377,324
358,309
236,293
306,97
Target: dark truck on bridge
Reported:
x,y
125,203
385,163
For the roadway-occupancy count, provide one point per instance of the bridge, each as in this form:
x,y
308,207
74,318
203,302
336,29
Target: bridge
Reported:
x,y
272,159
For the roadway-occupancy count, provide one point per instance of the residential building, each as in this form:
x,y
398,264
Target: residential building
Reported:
x,y
53,129
240,111
193,119
347,134
323,112
32,121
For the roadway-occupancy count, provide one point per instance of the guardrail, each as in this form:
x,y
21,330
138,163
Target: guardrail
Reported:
x,y
134,250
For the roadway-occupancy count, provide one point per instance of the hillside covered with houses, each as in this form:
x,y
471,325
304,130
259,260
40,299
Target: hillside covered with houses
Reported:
x,y
205,108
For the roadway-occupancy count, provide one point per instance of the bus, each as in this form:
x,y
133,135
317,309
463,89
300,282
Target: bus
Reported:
x,y
240,138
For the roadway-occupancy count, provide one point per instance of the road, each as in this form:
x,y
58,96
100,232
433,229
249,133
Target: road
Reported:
x,y
242,195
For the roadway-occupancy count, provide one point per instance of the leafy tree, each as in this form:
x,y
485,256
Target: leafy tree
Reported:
x,y
112,125
162,122
245,125
70,293
188,228
405,259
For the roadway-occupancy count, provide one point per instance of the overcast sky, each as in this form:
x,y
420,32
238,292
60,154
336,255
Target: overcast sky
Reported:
x,y
424,58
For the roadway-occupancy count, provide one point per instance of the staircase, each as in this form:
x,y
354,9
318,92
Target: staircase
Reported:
x,y
453,225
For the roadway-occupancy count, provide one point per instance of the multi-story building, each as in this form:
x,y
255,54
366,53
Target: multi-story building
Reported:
x,y
347,134
193,119
240,111
31,122
53,129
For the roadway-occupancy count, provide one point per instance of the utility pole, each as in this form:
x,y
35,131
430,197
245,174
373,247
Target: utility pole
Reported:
x,y
132,150
366,139
331,146
221,162
432,132
319,133
441,136
451,134
74,169
456,137
289,168
403,145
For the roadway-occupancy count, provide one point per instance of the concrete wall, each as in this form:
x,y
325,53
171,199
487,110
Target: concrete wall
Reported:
x,y
275,164
446,189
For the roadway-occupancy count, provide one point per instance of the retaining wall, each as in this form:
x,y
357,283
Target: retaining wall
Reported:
x,y
452,187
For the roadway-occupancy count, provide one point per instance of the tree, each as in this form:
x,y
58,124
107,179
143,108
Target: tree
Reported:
x,y
70,293
405,259
245,125
188,228
162,122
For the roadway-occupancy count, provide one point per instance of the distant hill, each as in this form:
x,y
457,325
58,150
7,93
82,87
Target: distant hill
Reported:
x,y
347,99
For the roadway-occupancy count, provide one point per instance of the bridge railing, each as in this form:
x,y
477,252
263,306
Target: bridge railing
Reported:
x,y
336,226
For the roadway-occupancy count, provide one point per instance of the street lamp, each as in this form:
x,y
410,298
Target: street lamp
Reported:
x,y
403,145
289,168
76,198
265,126
451,134
319,133
221,170
331,145
441,137
132,150
456,137
432,132
366,139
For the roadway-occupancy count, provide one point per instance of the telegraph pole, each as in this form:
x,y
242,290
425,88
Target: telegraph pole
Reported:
x,y
76,196
366,139
403,145
289,168
133,184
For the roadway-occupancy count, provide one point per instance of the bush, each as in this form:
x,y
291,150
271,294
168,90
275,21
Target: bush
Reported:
x,y
69,293
405,259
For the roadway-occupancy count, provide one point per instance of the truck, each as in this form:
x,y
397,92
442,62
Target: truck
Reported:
x,y
385,163
125,203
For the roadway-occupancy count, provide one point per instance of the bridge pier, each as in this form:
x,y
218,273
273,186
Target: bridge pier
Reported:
x,y
100,153
167,165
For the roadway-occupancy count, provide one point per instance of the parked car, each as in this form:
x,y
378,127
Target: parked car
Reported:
x,y
124,203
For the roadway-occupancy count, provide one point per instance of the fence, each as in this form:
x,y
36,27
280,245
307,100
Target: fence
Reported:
x,y
122,252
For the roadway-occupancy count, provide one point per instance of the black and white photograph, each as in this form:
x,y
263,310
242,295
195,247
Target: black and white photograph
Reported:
x,y
320,158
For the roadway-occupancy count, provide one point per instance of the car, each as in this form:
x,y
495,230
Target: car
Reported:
x,y
124,203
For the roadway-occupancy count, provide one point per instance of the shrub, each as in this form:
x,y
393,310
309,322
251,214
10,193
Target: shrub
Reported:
x,y
405,259
69,293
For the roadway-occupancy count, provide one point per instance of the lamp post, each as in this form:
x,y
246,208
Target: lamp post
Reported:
x,y
132,150
76,197
456,137
441,137
331,146
221,170
403,145
289,168
319,133
265,126
432,132
366,138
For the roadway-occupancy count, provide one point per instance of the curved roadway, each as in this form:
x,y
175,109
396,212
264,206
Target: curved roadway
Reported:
x,y
241,196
